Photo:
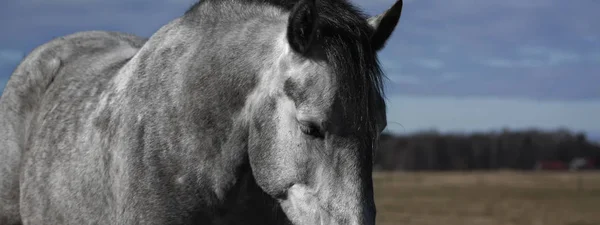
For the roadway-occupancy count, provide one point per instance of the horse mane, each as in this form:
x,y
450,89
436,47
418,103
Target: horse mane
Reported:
x,y
345,37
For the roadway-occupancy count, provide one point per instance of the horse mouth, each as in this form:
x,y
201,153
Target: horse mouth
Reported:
x,y
301,205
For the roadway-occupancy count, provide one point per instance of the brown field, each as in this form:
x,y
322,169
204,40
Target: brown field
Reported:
x,y
488,198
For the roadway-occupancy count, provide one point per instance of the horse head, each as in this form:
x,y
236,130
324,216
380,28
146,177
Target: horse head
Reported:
x,y
315,117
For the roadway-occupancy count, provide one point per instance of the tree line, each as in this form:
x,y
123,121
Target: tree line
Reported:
x,y
521,150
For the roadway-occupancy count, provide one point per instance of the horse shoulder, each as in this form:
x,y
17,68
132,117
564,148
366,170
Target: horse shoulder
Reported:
x,y
23,95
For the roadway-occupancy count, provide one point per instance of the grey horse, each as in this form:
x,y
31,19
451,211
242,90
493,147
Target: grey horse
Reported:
x,y
237,112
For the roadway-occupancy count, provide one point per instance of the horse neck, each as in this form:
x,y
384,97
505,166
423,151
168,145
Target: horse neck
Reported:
x,y
186,95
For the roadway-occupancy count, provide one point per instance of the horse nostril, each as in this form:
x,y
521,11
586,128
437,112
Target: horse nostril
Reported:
x,y
282,195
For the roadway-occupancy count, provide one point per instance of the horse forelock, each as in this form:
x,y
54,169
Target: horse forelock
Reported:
x,y
354,63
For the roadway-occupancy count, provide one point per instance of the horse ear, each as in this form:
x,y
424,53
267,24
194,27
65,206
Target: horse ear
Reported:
x,y
302,26
384,24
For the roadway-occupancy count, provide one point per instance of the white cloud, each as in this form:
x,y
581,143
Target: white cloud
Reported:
x,y
444,49
413,113
449,76
405,79
534,56
590,38
57,2
555,58
9,57
390,65
552,56
594,57
430,63
510,63
87,2
498,62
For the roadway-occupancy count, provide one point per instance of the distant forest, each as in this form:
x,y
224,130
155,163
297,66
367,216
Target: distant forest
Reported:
x,y
505,149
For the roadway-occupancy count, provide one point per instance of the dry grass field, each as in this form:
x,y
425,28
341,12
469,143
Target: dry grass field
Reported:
x,y
488,198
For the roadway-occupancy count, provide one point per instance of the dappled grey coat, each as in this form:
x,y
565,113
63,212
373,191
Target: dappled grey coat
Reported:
x,y
238,112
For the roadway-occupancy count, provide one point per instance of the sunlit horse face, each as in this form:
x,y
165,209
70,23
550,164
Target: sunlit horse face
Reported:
x,y
316,117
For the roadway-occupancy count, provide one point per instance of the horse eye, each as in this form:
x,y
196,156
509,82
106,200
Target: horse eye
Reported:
x,y
311,130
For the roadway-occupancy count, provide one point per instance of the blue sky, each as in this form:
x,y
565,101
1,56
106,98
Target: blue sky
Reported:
x,y
460,65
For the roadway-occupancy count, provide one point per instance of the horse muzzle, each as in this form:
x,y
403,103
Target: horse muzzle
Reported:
x,y
302,206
